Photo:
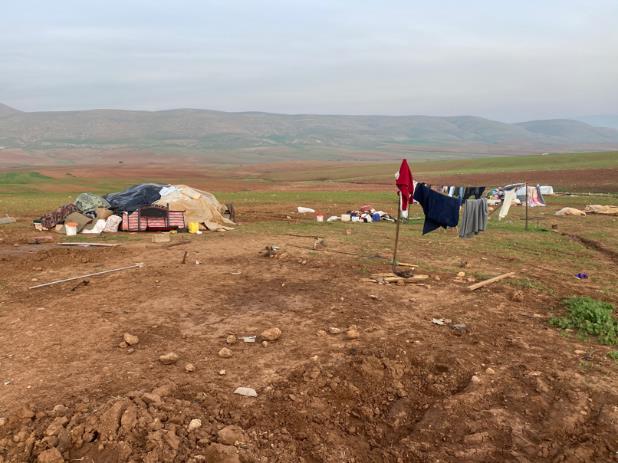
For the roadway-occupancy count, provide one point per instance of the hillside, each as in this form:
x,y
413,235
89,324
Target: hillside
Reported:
x,y
254,136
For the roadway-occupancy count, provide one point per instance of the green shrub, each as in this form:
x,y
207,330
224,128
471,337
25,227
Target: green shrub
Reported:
x,y
591,318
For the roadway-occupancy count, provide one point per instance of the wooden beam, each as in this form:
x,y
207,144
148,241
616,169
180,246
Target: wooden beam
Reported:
x,y
490,281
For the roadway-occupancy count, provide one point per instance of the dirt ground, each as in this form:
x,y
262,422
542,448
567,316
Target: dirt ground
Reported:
x,y
359,374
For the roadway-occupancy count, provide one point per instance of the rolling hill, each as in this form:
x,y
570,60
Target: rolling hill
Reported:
x,y
254,136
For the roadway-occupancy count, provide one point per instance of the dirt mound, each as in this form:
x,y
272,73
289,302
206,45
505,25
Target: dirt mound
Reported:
x,y
371,405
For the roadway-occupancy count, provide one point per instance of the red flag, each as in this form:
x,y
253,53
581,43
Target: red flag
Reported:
x,y
405,184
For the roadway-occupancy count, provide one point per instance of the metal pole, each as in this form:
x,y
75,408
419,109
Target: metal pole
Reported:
x,y
397,235
526,205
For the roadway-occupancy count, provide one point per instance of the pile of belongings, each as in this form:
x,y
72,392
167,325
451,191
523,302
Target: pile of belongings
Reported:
x,y
365,214
605,210
144,207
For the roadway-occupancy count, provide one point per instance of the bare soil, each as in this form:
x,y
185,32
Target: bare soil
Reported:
x,y
503,388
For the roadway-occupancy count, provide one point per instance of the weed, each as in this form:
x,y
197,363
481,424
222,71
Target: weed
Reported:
x,y
613,355
591,318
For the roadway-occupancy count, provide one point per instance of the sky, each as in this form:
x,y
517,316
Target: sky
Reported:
x,y
509,60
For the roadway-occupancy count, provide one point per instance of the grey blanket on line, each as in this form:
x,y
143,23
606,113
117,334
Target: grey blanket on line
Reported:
x,y
474,218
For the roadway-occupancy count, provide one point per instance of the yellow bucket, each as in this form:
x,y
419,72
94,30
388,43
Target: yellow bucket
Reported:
x,y
194,227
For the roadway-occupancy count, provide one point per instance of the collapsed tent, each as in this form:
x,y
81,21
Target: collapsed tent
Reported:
x,y
198,206
89,202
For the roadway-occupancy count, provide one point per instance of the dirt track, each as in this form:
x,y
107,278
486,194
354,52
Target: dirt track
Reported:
x,y
505,388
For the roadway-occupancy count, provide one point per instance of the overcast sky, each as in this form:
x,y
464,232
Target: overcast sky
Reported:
x,y
504,59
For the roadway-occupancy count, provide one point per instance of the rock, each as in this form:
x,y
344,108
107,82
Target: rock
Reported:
x,y
352,333
271,334
334,330
59,410
164,390
130,339
459,328
219,453
246,391
189,368
321,333
461,274
123,345
2,421
130,350
225,353
150,398
56,425
517,296
221,372
169,358
231,434
490,371
110,421
231,339
50,456
26,412
129,419
194,424
475,379
264,343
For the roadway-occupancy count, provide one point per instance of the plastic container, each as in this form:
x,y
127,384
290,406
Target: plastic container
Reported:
x,y
194,227
345,217
70,228
319,218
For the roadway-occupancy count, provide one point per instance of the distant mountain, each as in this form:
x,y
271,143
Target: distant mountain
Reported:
x,y
608,120
255,136
7,110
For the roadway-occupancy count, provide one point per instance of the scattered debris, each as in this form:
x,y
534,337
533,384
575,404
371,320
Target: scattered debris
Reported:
x,y
169,358
582,276
459,328
271,250
440,321
184,258
104,272
78,285
305,210
248,339
490,281
245,391
570,211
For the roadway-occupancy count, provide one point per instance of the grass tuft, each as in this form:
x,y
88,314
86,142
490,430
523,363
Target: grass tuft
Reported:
x,y
590,317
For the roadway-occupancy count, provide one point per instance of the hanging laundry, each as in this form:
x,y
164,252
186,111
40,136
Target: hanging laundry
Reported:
x,y
540,194
474,218
533,197
509,198
404,182
440,210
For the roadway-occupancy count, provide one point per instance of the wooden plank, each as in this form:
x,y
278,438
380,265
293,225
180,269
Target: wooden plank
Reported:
x,y
139,265
85,245
490,281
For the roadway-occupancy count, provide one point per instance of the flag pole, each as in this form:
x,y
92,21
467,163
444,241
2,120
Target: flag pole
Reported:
x,y
397,234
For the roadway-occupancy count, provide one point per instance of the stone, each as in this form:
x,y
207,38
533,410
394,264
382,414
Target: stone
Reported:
x,y
189,368
264,343
490,371
271,334
334,330
52,455
129,419
225,353
245,391
123,345
231,339
130,339
231,434
164,390
56,425
26,412
459,328
475,379
194,424
169,358
2,421
461,274
352,333
221,372
150,398
59,410
219,453
517,296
